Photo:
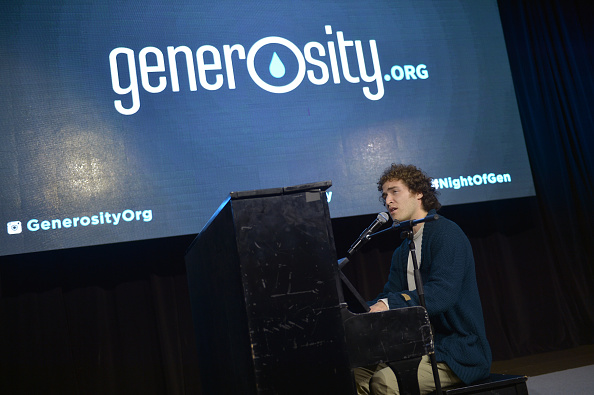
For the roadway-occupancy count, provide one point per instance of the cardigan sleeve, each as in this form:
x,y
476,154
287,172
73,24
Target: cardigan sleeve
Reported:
x,y
396,279
446,256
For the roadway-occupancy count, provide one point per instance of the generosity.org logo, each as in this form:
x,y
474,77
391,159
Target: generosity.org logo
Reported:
x,y
104,217
315,61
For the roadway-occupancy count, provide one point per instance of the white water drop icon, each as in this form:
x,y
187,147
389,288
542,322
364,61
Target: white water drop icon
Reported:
x,y
277,68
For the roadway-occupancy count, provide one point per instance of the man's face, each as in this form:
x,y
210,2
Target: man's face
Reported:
x,y
402,204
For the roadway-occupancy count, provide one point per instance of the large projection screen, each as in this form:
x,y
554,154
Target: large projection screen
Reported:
x,y
127,120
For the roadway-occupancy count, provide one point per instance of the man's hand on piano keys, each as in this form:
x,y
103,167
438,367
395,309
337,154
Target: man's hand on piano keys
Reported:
x,y
379,306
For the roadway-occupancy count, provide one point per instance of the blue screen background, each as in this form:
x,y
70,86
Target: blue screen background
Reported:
x,y
66,152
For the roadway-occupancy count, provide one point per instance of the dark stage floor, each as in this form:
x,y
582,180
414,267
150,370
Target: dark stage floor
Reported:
x,y
537,364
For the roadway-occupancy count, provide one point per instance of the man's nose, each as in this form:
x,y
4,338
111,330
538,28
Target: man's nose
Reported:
x,y
389,200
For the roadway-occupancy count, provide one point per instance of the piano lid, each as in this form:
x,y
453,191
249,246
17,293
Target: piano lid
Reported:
x,y
314,186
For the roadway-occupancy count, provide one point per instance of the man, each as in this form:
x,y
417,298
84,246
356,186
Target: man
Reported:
x,y
446,264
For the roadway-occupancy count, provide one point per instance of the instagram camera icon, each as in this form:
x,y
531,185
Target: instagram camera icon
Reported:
x,y
14,227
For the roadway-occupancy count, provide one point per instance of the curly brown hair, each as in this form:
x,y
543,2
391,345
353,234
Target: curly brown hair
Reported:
x,y
416,181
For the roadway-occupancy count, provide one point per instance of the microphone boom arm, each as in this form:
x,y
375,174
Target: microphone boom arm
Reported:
x,y
405,225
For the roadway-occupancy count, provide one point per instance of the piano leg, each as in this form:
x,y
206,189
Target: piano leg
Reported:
x,y
406,373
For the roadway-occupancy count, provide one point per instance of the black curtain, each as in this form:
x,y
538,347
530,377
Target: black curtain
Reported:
x,y
112,319
116,319
550,45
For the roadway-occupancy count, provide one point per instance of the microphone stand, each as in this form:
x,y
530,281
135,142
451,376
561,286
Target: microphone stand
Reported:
x,y
408,234
363,238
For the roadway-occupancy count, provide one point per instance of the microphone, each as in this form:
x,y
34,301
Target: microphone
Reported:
x,y
363,238
404,225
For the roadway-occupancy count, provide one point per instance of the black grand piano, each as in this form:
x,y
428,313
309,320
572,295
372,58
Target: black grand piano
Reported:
x,y
268,302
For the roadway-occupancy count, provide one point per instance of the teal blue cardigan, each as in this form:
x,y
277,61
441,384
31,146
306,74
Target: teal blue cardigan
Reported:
x,y
451,297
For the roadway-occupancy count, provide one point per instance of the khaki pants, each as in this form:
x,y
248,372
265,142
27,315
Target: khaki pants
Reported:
x,y
381,380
